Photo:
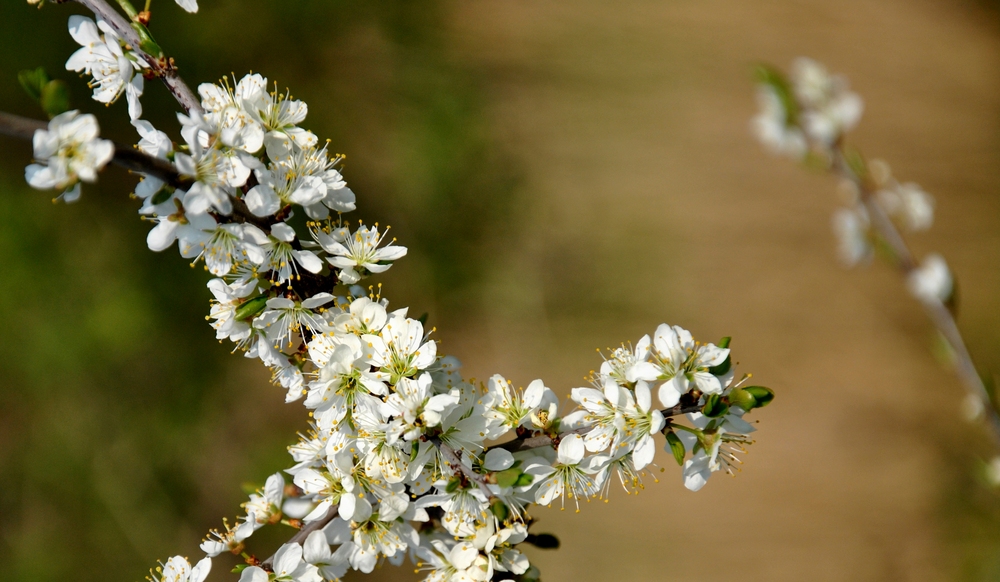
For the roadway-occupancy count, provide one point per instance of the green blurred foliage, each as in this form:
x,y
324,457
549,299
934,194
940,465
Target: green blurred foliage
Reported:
x,y
125,430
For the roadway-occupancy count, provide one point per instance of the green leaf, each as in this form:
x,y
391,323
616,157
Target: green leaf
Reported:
x,y
856,162
162,195
251,308
508,477
726,364
524,480
55,98
414,450
722,368
775,79
762,395
32,81
714,406
239,568
743,399
146,42
676,447
453,485
499,509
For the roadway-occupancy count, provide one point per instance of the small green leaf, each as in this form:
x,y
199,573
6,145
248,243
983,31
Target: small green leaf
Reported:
x,y
146,42
762,395
55,98
32,81
499,509
251,308
453,485
524,480
856,162
508,477
714,406
726,364
775,79
414,450
743,399
162,195
676,447
239,568
723,368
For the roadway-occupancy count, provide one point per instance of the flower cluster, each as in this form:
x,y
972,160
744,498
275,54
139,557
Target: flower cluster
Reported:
x,y
404,458
805,117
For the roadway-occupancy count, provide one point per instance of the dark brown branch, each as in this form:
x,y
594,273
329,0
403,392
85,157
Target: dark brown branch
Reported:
x,y
125,156
301,535
543,440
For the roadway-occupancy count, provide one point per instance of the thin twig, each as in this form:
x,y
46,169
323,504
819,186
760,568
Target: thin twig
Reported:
x,y
125,156
543,440
452,457
162,66
301,535
936,310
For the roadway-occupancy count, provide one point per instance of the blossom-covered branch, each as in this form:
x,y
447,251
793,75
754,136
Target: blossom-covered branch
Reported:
x,y
400,459
806,117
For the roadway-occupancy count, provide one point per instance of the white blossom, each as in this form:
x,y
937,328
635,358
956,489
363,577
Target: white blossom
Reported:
x,y
829,108
66,153
913,206
773,128
178,569
932,280
114,71
358,254
851,227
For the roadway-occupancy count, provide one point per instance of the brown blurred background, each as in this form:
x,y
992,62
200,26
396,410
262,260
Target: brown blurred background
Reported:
x,y
567,176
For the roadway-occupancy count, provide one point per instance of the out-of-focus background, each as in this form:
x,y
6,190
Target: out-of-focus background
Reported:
x,y
567,175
